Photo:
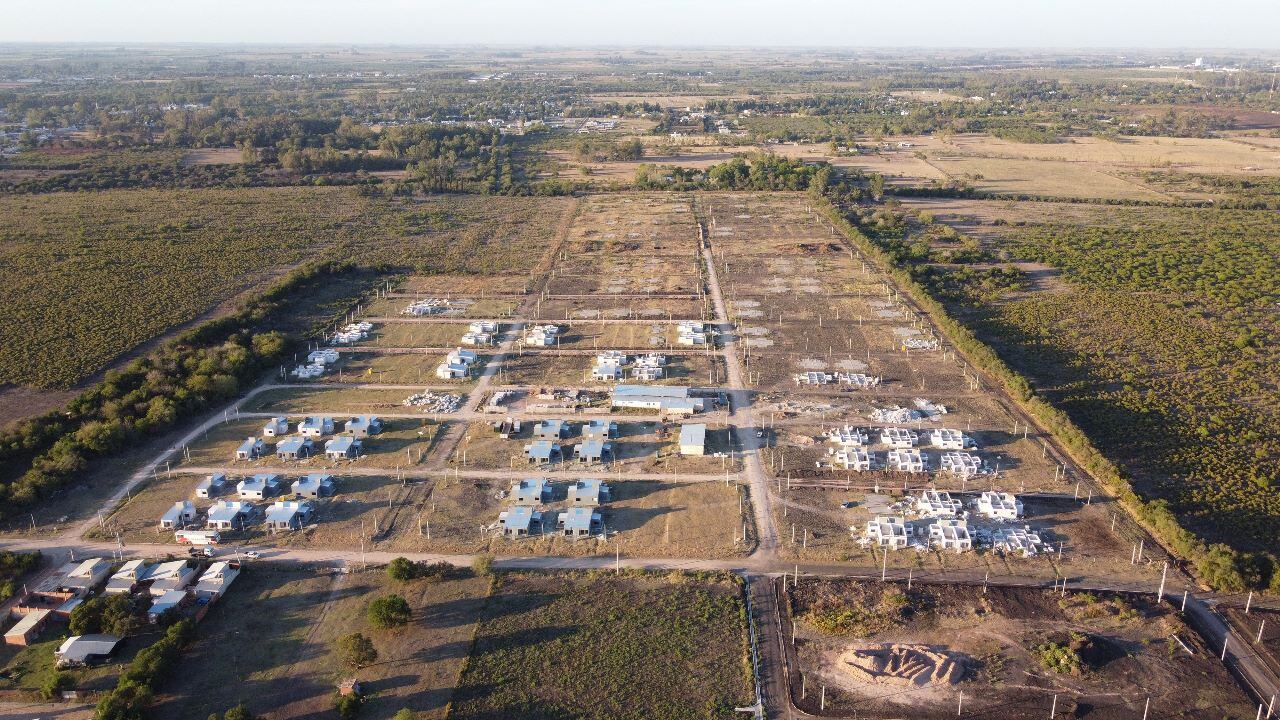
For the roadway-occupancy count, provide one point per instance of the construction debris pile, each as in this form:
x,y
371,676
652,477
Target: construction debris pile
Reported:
x,y
434,402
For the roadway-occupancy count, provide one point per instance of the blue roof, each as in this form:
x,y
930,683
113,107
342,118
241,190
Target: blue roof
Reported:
x,y
341,444
655,391
541,449
519,517
579,518
292,444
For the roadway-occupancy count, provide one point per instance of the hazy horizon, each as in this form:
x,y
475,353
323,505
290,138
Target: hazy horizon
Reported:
x,y
982,24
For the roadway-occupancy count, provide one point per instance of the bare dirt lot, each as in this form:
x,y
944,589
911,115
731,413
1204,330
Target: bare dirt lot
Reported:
x,y
1010,651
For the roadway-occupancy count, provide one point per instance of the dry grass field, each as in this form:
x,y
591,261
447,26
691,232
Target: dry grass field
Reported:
x,y
279,658
599,646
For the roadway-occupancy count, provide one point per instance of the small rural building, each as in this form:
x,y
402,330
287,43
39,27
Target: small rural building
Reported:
x,y
168,576
284,515
592,451
1016,541
126,579
452,371
230,515
276,427
211,486
542,335
588,492
667,400
215,580
854,458
295,447
259,487
251,449
181,513
691,333
644,373
483,326
950,534
343,447
849,436
550,430
998,505
27,628
909,461
693,439
314,427
579,522
599,430
363,425
542,452
887,532
530,491
606,373
170,600
938,504
961,464
478,339
85,649
313,486
521,521
948,439
899,438
80,578
462,356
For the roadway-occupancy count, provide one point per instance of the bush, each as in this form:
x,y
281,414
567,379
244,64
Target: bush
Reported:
x,y
348,706
1062,659
357,650
482,565
401,569
389,611
53,686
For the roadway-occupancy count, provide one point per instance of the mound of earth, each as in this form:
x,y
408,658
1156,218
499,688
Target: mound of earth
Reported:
x,y
902,665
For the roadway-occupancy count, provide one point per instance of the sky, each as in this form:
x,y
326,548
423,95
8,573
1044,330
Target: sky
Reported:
x,y
843,23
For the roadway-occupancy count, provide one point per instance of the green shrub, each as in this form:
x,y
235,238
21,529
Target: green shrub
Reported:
x,y
389,611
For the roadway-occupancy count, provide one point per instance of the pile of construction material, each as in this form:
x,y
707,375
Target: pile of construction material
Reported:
x,y
430,306
434,402
352,334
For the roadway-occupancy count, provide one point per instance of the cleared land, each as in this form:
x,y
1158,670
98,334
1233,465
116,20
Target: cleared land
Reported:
x,y
1009,650
599,646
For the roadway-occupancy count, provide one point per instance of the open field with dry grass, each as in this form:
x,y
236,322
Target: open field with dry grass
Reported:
x,y
598,646
1010,651
279,659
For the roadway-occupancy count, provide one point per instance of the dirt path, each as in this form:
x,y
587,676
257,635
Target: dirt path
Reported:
x,y
740,414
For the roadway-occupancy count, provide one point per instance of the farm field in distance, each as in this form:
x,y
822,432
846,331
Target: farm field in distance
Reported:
x,y
467,382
